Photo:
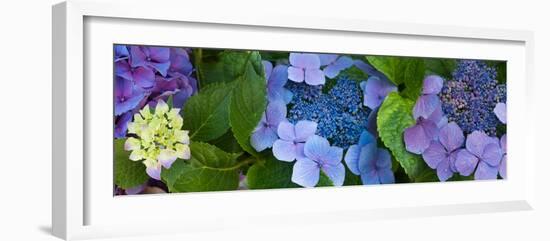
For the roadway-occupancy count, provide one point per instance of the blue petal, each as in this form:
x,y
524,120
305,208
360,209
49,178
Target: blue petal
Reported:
x,y
305,61
305,173
314,77
284,150
263,138
352,158
386,176
485,172
370,177
384,159
334,69
316,147
268,67
336,173
425,106
432,85
367,158
278,77
366,138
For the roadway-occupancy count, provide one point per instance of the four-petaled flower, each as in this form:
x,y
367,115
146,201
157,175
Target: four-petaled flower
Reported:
x,y
157,58
318,156
276,79
292,138
483,154
305,67
375,91
265,134
369,161
442,152
334,64
160,139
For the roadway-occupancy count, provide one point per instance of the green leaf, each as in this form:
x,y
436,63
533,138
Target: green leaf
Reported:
x,y
500,67
394,116
209,169
352,179
324,181
248,102
401,70
227,142
270,173
441,67
206,114
223,66
128,173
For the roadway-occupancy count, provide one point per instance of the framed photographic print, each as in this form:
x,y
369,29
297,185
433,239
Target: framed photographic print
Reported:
x,y
154,109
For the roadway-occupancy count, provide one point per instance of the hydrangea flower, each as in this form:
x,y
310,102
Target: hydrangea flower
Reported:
x,y
127,97
304,93
470,98
142,76
305,67
265,134
442,152
338,113
159,138
428,102
334,64
276,79
483,154
180,64
121,124
292,139
318,156
157,58
500,112
502,167
369,161
375,91
121,52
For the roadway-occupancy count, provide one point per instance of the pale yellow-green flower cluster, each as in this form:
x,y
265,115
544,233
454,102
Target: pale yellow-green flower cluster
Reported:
x,y
160,138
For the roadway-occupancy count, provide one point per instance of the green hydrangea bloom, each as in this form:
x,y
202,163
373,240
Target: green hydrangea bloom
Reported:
x,y
160,139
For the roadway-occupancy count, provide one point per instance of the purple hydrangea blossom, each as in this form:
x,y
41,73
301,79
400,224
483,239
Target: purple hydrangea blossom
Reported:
x,y
305,67
442,152
157,58
483,154
318,156
375,91
127,97
502,167
369,161
428,102
121,52
265,134
276,79
290,144
121,124
334,64
180,63
142,76
500,112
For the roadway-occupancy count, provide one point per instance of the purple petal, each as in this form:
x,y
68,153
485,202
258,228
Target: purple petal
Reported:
x,y
121,52
503,144
123,87
166,158
121,125
416,140
134,190
492,155
305,173
159,54
128,104
179,61
451,136
430,128
305,61
300,155
370,178
275,113
314,77
352,158
476,142
434,154
444,171
154,172
500,112
502,167
286,131
327,59
268,67
278,77
437,116
263,138
304,129
336,173
296,74
284,150
425,106
332,70
384,159
123,69
465,162
137,57
144,77
485,172
386,176
334,155
432,85
162,68
316,147
372,90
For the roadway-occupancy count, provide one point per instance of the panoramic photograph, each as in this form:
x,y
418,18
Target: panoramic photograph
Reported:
x,y
189,119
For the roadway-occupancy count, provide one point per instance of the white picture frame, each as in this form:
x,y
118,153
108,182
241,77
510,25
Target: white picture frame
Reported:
x,y
83,206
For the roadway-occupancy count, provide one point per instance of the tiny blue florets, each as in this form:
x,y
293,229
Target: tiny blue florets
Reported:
x,y
339,113
302,92
472,94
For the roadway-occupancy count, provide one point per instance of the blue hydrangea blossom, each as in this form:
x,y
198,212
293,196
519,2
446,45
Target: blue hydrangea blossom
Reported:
x,y
319,156
334,64
276,79
483,155
442,152
375,91
306,68
265,134
290,144
369,161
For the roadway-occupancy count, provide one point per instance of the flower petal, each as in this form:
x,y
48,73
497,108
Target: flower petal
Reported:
x,y
370,177
296,74
154,171
342,63
275,113
166,157
425,106
327,59
500,112
367,158
485,172
416,140
305,173
492,154
268,67
451,136
444,171
503,143
278,77
305,61
384,159
285,130
159,54
386,176
284,150
432,85
263,138
465,162
304,129
137,56
476,142
336,173
132,144
316,147
366,138
352,158
434,154
502,167
334,155
144,77
314,77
